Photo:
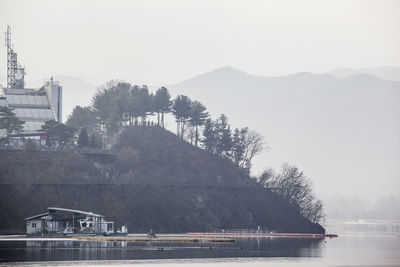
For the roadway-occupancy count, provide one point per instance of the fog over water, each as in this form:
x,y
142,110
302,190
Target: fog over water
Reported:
x,y
343,132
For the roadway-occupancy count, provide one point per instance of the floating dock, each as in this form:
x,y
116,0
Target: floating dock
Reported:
x,y
291,235
193,239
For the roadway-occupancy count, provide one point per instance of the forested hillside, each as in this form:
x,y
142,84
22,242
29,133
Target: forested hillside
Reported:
x,y
155,181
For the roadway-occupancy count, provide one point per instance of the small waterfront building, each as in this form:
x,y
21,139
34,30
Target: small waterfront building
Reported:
x,y
61,221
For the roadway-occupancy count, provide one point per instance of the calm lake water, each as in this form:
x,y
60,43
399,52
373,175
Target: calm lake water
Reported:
x,y
373,246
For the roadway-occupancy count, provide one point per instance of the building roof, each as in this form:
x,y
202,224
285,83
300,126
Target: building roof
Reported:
x,y
34,114
36,216
75,211
30,106
62,210
37,101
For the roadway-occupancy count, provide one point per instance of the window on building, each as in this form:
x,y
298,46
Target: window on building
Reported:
x,y
33,225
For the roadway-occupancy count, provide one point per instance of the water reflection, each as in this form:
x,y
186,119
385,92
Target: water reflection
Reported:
x,y
78,250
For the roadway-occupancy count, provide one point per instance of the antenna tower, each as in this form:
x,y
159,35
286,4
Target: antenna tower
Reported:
x,y
15,72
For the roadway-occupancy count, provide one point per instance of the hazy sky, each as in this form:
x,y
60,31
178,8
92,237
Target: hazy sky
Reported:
x,y
169,41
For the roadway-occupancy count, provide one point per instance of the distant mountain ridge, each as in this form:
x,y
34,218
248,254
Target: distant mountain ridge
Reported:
x,y
330,127
383,72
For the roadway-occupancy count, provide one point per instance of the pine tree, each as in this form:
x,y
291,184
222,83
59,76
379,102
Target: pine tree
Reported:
x,y
209,140
224,136
162,101
58,133
83,117
237,146
181,111
198,116
9,121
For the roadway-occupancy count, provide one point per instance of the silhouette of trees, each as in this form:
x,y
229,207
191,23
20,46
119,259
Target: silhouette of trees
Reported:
x,y
58,134
241,146
223,136
217,136
296,188
83,117
118,103
9,121
109,103
238,146
181,110
162,104
140,104
209,136
198,116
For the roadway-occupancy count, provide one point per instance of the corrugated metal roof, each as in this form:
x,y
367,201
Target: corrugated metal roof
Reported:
x,y
64,210
28,100
75,211
33,114
30,106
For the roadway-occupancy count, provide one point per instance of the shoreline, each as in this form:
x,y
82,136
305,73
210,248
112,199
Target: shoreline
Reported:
x,y
194,237
291,235
132,238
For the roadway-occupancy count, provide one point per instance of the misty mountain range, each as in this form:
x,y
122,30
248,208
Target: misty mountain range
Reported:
x,y
320,122
383,72
74,85
323,123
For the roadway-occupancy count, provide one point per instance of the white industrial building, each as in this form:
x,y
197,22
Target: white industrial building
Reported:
x,y
34,106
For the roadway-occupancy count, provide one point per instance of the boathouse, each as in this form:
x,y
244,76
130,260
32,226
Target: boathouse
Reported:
x,y
60,221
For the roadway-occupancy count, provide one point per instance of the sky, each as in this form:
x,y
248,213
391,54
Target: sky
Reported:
x,y
164,42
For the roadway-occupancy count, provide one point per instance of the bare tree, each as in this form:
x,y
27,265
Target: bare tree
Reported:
x,y
296,188
314,210
253,143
